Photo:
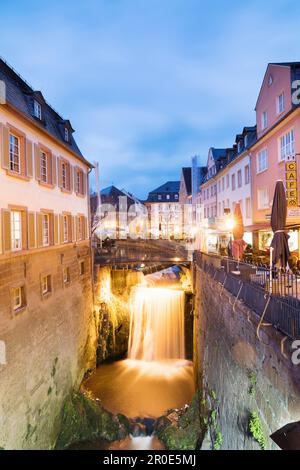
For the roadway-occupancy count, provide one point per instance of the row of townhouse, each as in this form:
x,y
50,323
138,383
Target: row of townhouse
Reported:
x,y
247,172
46,298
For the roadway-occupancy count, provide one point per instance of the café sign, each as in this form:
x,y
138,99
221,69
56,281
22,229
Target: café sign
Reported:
x,y
291,183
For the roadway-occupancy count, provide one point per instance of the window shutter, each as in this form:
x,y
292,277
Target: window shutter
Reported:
x,y
77,227
74,178
70,227
37,162
49,168
61,229
84,229
74,228
84,182
71,178
5,147
56,221
39,229
24,230
59,172
54,170
31,230
29,168
6,230
51,229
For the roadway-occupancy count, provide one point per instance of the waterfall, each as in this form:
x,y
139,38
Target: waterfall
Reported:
x,y
156,324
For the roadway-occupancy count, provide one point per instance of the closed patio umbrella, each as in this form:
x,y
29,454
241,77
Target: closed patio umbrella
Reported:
x,y
281,251
238,245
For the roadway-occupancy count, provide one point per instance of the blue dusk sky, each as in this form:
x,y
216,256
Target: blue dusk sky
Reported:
x,y
149,83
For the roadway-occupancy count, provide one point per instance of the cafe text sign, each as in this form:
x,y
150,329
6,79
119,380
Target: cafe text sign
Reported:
x,y
291,183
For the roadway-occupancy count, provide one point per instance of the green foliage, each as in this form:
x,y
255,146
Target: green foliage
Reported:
x,y
218,441
256,430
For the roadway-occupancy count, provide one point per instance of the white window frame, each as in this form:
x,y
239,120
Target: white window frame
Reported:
x,y
37,109
286,145
14,153
280,104
247,174
264,120
46,229
263,206
67,134
44,167
16,230
259,167
17,295
66,275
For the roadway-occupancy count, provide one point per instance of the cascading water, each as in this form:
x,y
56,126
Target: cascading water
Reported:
x,y
155,376
156,324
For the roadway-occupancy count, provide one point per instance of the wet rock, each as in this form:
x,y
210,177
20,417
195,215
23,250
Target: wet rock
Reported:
x,y
83,419
181,429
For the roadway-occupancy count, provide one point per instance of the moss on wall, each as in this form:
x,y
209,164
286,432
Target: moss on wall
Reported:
x,y
83,419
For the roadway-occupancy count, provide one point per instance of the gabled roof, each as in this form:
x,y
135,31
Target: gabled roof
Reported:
x,y
20,96
168,187
187,177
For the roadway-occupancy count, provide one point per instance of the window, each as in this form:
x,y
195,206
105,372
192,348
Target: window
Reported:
x,y
219,209
64,174
233,182
248,207
211,191
227,181
264,120
65,229
223,183
168,196
46,284
223,207
245,141
239,178
66,275
81,268
227,204
263,198
239,147
287,145
37,109
176,196
79,181
44,167
14,153
45,228
16,230
280,103
262,161
219,186
18,298
159,197
80,228
247,174
66,134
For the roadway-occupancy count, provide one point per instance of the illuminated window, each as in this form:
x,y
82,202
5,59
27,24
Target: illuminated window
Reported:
x,y
16,230
45,229
66,275
18,298
44,167
14,153
46,284
65,228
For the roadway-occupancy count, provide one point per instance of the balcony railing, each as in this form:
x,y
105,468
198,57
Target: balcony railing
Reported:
x,y
273,294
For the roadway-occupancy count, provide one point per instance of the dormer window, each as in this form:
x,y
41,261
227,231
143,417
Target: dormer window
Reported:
x,y
37,110
66,134
245,141
239,146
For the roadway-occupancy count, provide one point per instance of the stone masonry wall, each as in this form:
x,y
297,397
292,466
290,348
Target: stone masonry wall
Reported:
x,y
49,345
243,372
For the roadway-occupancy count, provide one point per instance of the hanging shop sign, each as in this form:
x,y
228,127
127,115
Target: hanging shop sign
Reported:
x,y
291,183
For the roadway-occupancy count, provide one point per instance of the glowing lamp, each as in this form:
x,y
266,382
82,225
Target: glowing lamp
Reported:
x,y
230,224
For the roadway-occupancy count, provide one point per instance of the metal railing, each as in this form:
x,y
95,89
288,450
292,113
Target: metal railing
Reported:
x,y
271,293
